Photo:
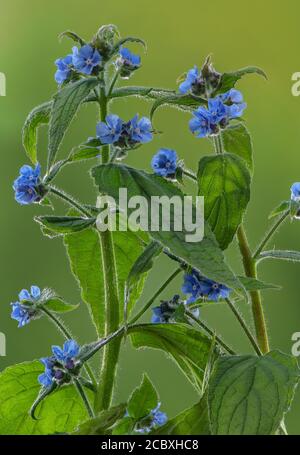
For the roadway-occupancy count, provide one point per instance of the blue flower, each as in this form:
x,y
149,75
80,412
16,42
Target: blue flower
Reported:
x,y
110,131
234,102
295,192
24,310
155,419
218,110
201,123
193,82
63,68
60,367
26,185
85,59
140,130
164,162
200,287
127,62
164,313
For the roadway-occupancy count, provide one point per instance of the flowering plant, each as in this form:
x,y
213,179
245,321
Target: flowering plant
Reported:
x,y
238,393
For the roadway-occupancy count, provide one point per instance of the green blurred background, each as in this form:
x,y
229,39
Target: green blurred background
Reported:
x,y
179,35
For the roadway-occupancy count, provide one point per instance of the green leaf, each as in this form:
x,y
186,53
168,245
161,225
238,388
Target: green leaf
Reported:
x,y
224,181
285,255
189,348
128,39
282,207
124,426
84,252
186,103
193,421
237,140
228,80
100,424
84,153
64,224
143,92
205,255
61,412
250,395
143,399
38,116
137,273
73,36
251,284
65,105
55,303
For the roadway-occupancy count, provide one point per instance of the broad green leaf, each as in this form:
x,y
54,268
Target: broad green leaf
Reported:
x,y
65,224
284,206
143,92
84,253
139,271
205,255
228,80
189,348
143,399
102,423
73,36
60,412
65,105
38,116
84,153
251,284
237,140
224,181
250,395
285,255
182,102
193,421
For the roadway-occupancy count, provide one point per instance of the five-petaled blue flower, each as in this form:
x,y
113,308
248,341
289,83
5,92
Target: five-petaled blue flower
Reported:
x,y
141,130
63,68
201,123
59,366
24,310
85,59
164,162
295,192
193,82
200,287
154,420
127,62
110,131
26,185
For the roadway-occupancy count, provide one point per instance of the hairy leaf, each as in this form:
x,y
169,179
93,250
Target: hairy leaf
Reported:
x,y
73,36
38,116
237,140
65,224
249,394
183,102
285,255
143,399
282,207
228,80
65,105
204,255
224,181
251,284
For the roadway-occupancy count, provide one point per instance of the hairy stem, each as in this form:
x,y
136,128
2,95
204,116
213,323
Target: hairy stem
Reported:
x,y
70,200
112,309
257,308
270,233
84,398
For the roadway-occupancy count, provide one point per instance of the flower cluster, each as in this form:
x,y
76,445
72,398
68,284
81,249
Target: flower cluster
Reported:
x,y
164,163
124,135
27,186
154,420
85,60
25,310
127,62
165,311
62,365
199,82
220,110
203,288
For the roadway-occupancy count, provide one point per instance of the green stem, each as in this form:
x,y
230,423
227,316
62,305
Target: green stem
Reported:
x,y
257,308
112,310
210,332
218,145
244,326
84,398
189,174
270,233
68,335
154,297
113,83
70,200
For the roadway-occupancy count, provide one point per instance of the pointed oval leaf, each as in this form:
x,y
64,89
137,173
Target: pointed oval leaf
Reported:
x,y
143,399
228,80
65,224
237,140
38,116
